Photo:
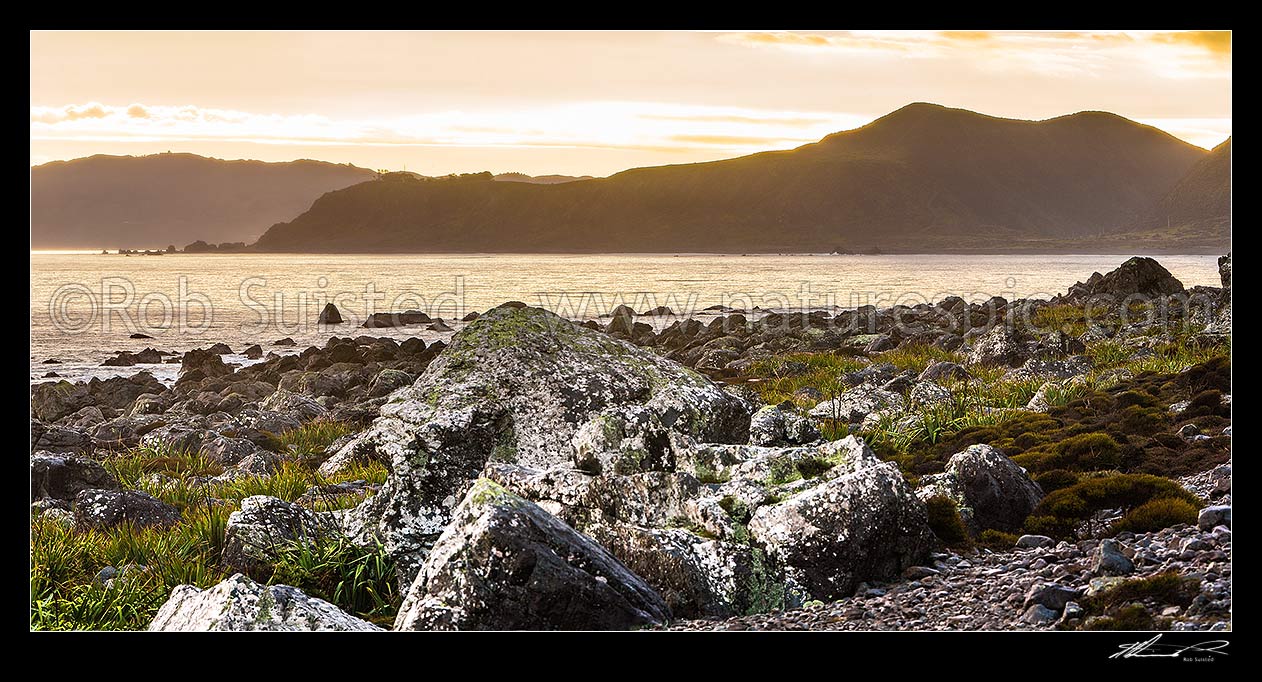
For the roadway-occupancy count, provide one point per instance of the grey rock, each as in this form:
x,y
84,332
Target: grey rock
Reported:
x,y
1038,614
1110,561
1217,515
106,508
998,492
239,604
999,346
1051,595
864,525
517,385
264,524
942,370
857,403
63,477
1032,541
775,425
506,564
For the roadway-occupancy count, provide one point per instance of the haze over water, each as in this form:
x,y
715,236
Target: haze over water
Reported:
x,y
261,298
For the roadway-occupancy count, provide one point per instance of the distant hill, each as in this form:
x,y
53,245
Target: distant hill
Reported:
x,y
923,178
1200,203
539,179
151,201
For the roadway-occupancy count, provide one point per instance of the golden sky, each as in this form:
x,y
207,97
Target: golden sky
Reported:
x,y
584,102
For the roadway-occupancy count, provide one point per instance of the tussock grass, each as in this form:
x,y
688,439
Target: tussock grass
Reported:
x,y
66,560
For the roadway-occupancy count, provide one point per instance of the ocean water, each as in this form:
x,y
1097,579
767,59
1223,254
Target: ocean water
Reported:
x,y
85,306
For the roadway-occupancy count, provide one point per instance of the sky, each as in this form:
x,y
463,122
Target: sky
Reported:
x,y
585,102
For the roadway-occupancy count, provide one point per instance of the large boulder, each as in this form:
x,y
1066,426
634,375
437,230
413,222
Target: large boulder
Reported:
x,y
863,525
240,604
506,564
998,492
62,477
95,508
518,385
1138,276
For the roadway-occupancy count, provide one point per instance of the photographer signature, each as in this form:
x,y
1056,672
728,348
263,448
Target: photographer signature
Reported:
x,y
1153,649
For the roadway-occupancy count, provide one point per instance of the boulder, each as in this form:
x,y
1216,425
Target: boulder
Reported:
x,y
58,439
698,577
1109,560
95,508
999,346
263,524
1217,515
253,352
198,364
780,425
379,320
1139,276
387,380
62,477
300,407
330,315
857,403
860,526
506,564
239,604
517,385
53,400
998,492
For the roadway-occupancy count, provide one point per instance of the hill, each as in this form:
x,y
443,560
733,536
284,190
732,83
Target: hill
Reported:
x,y
151,201
923,178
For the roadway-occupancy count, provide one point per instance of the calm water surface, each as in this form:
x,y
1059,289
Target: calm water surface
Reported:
x,y
85,306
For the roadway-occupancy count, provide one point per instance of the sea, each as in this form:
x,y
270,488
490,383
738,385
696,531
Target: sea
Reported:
x,y
86,306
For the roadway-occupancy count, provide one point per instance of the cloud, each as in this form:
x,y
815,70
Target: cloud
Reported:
x,y
592,125
1217,43
731,140
1054,53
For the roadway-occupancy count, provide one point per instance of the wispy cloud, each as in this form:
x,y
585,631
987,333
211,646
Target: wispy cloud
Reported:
x,y
598,125
1068,53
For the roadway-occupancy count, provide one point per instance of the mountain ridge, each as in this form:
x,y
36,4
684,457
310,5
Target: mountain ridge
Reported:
x,y
924,175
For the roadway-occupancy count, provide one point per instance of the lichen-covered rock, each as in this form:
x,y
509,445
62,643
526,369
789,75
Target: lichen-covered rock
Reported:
x,y
997,492
388,380
927,393
62,477
698,577
263,524
517,385
95,508
857,403
776,425
239,604
863,525
999,346
226,450
506,564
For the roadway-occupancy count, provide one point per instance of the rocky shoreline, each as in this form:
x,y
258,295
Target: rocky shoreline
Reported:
x,y
988,465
